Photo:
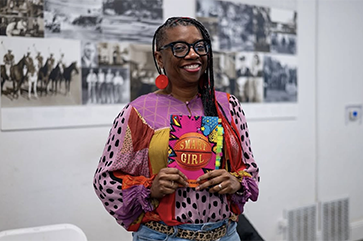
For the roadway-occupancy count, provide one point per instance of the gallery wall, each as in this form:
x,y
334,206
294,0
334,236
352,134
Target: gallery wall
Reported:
x,y
89,56
46,174
340,85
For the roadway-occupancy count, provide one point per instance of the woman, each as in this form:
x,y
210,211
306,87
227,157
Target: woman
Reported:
x,y
132,180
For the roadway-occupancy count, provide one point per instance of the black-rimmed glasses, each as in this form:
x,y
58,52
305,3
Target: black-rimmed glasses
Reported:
x,y
181,49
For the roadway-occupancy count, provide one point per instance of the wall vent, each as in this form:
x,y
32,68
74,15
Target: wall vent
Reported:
x,y
335,220
301,223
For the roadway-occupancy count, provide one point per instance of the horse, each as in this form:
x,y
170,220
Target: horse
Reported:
x,y
43,77
16,76
32,76
55,76
67,76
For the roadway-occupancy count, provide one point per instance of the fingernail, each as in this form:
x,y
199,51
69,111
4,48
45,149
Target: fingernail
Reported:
x,y
197,188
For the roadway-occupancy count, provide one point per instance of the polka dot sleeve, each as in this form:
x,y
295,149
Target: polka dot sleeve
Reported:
x,y
250,176
122,178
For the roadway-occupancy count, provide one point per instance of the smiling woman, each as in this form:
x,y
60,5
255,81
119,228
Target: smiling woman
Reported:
x,y
132,178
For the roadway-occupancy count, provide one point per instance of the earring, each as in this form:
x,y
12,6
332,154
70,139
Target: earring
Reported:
x,y
161,81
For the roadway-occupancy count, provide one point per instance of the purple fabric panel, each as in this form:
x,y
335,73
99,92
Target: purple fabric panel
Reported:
x,y
136,201
157,108
250,191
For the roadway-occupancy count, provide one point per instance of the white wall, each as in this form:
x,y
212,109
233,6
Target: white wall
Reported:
x,y
340,83
46,175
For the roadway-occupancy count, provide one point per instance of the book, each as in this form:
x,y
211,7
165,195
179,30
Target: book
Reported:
x,y
195,145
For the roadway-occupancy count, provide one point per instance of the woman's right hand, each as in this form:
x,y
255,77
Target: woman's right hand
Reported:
x,y
167,181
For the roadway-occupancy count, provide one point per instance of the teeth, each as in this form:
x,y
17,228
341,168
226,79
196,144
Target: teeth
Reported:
x,y
194,66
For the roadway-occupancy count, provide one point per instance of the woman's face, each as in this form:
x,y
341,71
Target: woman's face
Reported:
x,y
187,71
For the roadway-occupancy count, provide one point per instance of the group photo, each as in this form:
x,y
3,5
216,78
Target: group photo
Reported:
x,y
39,72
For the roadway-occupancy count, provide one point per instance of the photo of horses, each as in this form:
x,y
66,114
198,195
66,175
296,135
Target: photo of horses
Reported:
x,y
39,72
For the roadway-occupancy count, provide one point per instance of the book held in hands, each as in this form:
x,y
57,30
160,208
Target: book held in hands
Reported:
x,y
195,145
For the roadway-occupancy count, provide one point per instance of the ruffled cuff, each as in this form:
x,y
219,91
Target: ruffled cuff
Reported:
x,y
136,200
249,191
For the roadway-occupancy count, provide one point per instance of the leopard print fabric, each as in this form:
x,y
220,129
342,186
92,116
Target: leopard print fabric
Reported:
x,y
189,234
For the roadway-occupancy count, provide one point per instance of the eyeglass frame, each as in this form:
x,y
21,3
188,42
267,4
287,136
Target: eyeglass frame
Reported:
x,y
171,45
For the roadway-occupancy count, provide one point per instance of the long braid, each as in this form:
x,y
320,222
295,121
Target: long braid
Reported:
x,y
206,88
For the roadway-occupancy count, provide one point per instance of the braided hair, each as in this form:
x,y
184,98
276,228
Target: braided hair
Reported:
x,y
206,87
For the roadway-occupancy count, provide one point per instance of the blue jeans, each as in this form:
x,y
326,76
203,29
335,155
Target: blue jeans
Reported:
x,y
147,234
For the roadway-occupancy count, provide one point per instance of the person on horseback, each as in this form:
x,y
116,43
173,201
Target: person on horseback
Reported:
x,y
9,61
50,62
61,64
31,75
40,60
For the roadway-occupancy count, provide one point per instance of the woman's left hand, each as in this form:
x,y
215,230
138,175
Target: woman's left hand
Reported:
x,y
219,181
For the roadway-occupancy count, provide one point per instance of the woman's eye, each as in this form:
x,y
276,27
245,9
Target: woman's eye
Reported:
x,y
179,48
200,47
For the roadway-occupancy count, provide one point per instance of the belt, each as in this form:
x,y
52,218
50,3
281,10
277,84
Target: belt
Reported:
x,y
199,235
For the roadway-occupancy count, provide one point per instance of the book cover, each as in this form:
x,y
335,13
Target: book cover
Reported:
x,y
195,145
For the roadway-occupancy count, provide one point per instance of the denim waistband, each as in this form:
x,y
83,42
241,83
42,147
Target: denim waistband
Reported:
x,y
203,226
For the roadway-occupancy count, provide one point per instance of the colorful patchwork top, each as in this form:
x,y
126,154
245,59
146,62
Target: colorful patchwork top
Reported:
x,y
137,148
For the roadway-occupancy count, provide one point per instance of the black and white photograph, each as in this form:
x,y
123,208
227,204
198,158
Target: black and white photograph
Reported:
x,y
113,54
282,43
280,78
236,27
283,21
39,72
105,85
261,23
207,8
142,70
21,27
89,55
71,19
21,18
212,25
130,20
249,77
21,8
224,71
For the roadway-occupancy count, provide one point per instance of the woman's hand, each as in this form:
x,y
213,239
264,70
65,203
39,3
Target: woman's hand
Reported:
x,y
219,181
167,181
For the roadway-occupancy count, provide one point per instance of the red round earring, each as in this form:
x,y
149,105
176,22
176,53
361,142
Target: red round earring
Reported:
x,y
161,81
